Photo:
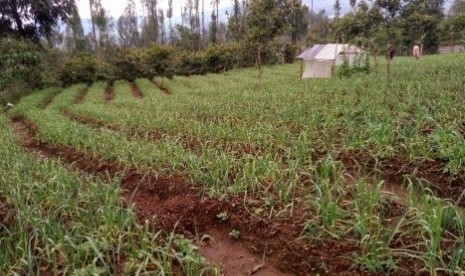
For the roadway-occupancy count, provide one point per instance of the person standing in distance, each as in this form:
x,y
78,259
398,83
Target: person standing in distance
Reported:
x,y
416,51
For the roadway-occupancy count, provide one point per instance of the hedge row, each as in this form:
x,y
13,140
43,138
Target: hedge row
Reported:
x,y
163,61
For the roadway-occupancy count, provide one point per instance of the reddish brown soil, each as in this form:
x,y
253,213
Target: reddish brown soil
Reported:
x,y
171,204
152,135
136,93
393,170
191,143
47,101
81,97
162,88
7,219
109,94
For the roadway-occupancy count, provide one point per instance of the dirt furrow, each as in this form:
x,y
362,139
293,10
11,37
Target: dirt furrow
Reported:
x,y
136,93
165,90
81,97
394,171
109,94
272,247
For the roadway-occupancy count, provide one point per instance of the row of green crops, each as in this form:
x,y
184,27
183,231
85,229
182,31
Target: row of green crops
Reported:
x,y
421,227
366,113
217,170
55,222
279,142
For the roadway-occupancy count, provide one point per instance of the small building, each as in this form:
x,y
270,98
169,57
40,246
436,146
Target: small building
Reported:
x,y
319,61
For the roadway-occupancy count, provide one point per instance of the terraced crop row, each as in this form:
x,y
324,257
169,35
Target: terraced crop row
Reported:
x,y
56,221
370,165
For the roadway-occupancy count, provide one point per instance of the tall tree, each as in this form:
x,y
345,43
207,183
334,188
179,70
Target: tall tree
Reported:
x,y
265,20
319,31
150,29
161,25
94,6
421,21
235,22
299,20
33,19
213,29
128,26
353,3
457,8
203,22
337,9
75,40
169,14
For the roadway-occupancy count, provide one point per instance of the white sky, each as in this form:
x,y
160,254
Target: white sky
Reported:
x,y
116,7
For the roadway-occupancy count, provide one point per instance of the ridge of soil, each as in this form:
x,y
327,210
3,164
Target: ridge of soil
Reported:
x,y
193,144
136,93
153,135
46,103
394,169
81,97
165,90
109,94
7,219
172,204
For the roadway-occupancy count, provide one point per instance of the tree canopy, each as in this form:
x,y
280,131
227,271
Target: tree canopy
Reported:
x,y
33,19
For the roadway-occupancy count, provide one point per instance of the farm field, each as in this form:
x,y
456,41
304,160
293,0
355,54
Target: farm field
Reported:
x,y
218,174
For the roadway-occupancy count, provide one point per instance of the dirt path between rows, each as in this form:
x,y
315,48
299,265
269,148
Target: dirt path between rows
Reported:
x,y
109,94
136,93
263,246
81,97
394,170
165,90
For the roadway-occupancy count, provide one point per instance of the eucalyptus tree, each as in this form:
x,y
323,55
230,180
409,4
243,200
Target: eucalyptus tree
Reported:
x,y
33,19
128,26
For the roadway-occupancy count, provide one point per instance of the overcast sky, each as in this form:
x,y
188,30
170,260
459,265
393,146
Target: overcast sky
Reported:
x,y
116,7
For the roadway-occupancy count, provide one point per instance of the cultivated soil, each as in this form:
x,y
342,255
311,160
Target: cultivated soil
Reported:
x,y
109,94
264,246
136,93
81,97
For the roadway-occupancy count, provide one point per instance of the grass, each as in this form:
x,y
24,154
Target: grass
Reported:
x,y
54,221
283,146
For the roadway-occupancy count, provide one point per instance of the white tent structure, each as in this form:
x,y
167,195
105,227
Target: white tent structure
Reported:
x,y
321,58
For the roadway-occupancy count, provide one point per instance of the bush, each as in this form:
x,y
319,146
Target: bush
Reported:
x,y
158,61
20,68
20,62
360,64
126,64
82,68
191,64
220,58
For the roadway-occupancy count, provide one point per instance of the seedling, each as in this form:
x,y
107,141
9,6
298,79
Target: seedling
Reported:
x,y
234,234
223,216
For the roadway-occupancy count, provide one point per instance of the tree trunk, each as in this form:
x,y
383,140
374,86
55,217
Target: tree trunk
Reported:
x,y
217,17
171,34
260,66
203,23
18,22
94,35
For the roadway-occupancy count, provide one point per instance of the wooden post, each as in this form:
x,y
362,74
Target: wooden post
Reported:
x,y
301,69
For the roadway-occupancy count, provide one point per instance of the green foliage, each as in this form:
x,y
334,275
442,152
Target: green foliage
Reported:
x,y
220,58
191,64
234,234
33,19
21,68
81,68
360,64
158,61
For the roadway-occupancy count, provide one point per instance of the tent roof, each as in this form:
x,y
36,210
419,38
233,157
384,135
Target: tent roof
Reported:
x,y
328,51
